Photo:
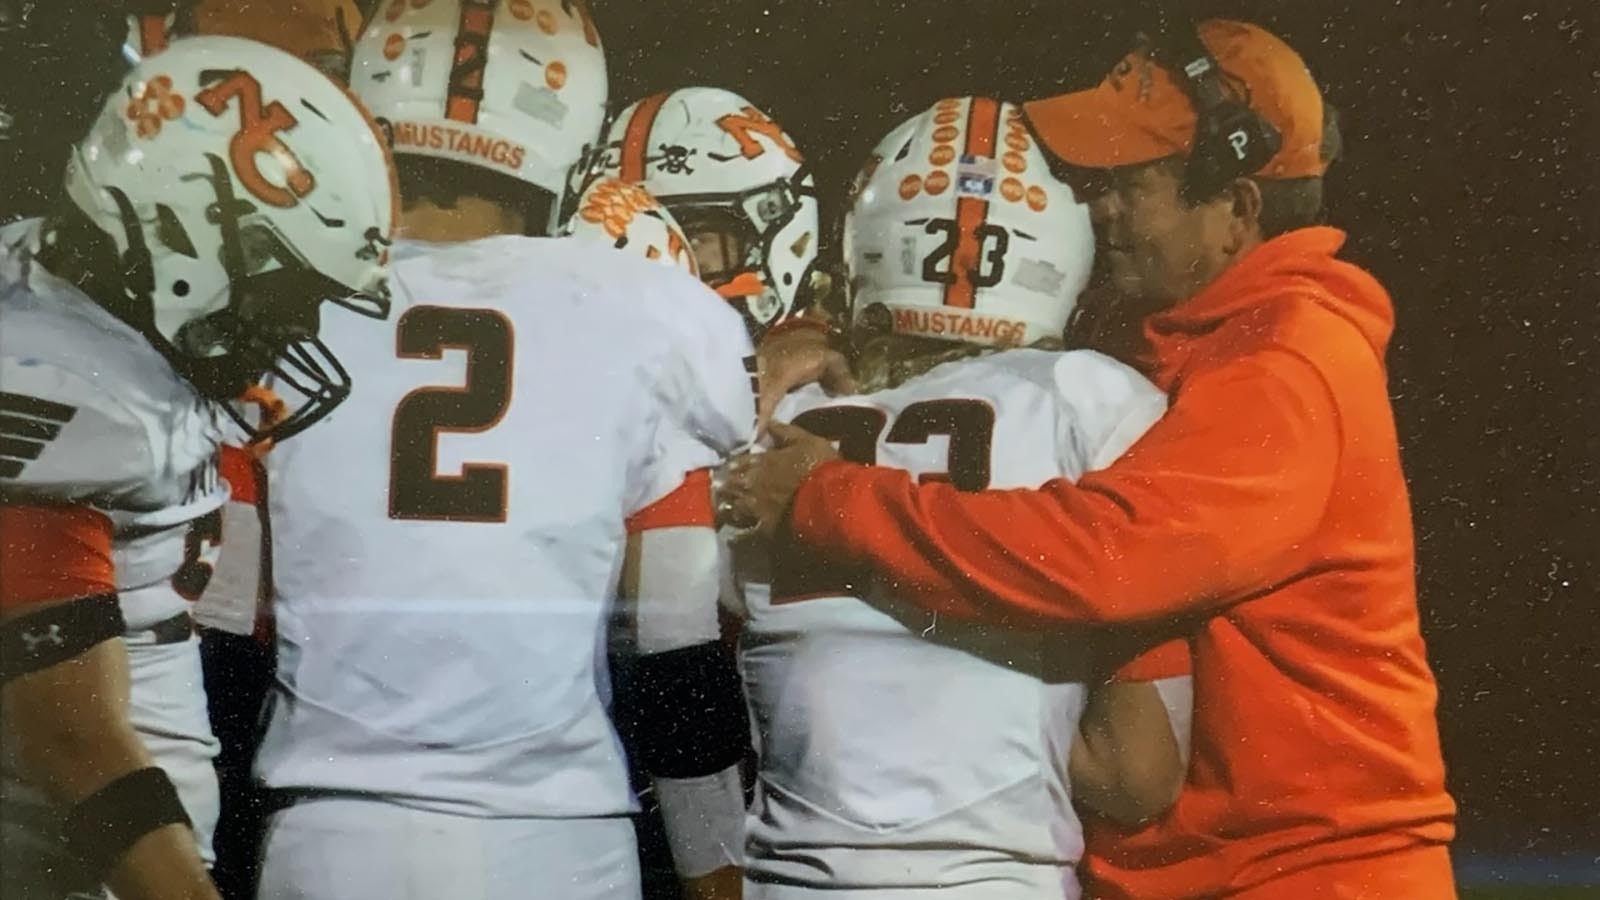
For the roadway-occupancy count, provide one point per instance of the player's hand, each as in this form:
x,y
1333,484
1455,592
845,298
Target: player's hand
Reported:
x,y
794,359
726,883
756,488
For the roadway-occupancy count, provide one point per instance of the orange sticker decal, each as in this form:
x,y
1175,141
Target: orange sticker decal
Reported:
x,y
751,121
942,155
1011,189
1037,199
555,74
393,46
910,186
155,102
1014,161
259,127
580,10
937,182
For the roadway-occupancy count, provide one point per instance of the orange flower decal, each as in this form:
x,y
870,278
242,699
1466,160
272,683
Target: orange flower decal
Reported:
x,y
613,203
153,103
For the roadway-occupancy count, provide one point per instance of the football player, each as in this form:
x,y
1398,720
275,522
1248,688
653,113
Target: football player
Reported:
x,y
948,764
739,187
223,192
446,552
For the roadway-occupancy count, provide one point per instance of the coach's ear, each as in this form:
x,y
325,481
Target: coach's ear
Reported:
x,y
1244,229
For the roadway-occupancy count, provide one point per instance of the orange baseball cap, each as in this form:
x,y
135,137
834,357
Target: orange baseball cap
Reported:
x,y
1140,113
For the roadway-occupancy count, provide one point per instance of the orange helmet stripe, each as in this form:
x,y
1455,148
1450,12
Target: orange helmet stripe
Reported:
x,y
983,134
472,57
152,33
636,138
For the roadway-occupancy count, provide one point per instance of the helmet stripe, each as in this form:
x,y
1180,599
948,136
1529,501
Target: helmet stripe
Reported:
x,y
983,133
472,57
636,139
152,33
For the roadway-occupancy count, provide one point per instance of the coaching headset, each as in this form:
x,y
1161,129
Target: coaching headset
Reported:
x,y
1230,139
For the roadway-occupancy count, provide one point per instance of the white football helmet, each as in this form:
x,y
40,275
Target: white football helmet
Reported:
x,y
241,187
517,87
627,217
726,171
956,230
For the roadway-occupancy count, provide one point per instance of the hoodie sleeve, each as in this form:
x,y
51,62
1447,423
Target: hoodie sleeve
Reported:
x,y
1217,501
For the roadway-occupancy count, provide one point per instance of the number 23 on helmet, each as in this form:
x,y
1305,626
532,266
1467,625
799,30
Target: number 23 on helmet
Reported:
x,y
956,230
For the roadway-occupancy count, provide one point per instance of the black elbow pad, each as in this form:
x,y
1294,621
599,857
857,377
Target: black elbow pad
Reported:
x,y
686,708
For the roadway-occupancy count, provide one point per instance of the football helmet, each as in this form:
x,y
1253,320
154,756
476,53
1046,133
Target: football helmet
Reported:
x,y
739,187
956,230
516,87
627,217
241,188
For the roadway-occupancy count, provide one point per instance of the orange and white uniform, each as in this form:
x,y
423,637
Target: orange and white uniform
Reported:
x,y
902,753
443,591
108,484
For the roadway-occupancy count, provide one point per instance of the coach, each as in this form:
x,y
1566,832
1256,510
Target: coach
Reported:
x,y
1266,515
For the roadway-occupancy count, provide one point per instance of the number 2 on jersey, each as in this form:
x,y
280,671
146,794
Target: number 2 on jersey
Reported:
x,y
416,489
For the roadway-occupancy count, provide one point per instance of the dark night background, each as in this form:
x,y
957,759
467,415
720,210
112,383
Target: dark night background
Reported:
x,y
1468,187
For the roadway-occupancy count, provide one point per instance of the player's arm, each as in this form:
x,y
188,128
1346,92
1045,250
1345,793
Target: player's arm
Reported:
x,y
1216,501
1131,751
64,700
685,693
695,730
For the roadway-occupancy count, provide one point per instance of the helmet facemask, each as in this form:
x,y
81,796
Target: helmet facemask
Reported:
x,y
267,327
734,238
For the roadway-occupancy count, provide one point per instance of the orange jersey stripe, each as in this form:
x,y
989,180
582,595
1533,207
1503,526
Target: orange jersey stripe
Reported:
x,y
983,132
53,553
635,140
688,506
244,474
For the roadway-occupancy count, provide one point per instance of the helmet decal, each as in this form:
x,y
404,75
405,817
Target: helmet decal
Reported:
x,y
259,127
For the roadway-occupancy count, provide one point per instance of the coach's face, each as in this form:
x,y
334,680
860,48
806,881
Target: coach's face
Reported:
x,y
1156,248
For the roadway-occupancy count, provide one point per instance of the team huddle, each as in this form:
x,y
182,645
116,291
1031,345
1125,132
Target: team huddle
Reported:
x,y
431,383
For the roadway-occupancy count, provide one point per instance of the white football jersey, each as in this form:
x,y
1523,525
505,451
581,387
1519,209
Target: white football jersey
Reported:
x,y
899,751
447,544
92,415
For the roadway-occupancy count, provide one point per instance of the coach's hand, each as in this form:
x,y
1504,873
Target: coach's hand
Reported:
x,y
756,488
793,359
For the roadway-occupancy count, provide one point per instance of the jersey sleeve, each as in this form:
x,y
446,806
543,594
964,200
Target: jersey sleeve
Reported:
x,y
704,392
64,440
241,579
64,447
1109,406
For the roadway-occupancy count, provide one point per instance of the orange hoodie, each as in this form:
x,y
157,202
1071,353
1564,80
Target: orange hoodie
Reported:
x,y
1265,514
